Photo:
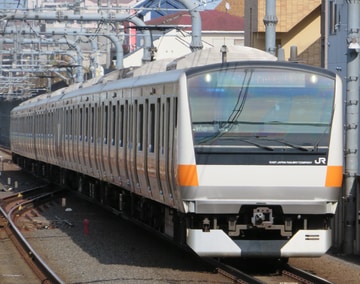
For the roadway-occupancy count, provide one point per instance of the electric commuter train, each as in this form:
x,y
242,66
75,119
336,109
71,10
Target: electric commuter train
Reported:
x,y
242,158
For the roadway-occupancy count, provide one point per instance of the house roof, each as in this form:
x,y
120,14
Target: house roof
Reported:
x,y
164,7
211,20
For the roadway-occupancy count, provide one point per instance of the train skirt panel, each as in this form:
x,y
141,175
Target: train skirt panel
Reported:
x,y
305,243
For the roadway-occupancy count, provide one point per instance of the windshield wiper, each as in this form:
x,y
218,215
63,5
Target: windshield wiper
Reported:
x,y
287,143
208,140
258,145
277,122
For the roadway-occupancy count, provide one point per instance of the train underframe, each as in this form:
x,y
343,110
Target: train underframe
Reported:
x,y
256,231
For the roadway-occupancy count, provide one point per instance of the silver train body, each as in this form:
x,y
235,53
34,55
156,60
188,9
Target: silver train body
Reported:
x,y
236,159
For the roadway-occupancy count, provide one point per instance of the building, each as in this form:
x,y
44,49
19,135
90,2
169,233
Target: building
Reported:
x,y
299,24
218,28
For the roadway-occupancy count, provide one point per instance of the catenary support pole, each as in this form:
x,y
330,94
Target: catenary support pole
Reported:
x,y
352,123
270,21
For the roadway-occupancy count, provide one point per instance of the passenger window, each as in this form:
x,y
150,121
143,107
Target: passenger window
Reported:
x,y
140,127
121,124
152,128
113,123
105,124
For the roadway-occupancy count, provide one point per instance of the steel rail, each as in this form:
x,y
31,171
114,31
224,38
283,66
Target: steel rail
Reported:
x,y
302,276
44,272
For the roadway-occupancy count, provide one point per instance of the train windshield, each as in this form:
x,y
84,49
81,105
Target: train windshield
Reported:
x,y
269,103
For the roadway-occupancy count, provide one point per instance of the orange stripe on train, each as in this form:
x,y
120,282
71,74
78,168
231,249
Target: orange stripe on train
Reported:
x,y
334,176
187,175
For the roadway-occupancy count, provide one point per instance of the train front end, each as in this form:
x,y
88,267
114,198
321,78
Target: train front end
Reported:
x,y
260,159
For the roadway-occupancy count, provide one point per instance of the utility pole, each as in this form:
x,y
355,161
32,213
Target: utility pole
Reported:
x,y
352,123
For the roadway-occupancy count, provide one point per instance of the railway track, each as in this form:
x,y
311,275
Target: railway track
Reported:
x,y
302,276
284,274
13,206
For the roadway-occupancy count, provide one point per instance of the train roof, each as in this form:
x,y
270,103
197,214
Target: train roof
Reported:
x,y
205,57
199,58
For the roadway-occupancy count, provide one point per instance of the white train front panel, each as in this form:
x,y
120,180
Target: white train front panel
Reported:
x,y
271,162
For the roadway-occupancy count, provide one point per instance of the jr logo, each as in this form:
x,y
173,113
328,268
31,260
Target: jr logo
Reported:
x,y
320,161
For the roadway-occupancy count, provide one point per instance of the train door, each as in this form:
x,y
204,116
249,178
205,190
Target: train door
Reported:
x,y
50,135
71,138
92,139
58,142
29,132
112,138
61,131
153,128
105,140
66,138
36,135
131,151
166,165
81,137
98,138
123,141
140,170
43,135
76,137
35,145
86,140
129,163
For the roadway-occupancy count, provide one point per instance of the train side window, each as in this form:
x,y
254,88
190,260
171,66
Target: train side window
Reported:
x,y
162,128
52,124
175,112
130,124
106,113
152,128
140,127
86,124
99,124
92,126
75,123
48,130
80,124
113,124
66,128
121,126
71,124
134,132
157,125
